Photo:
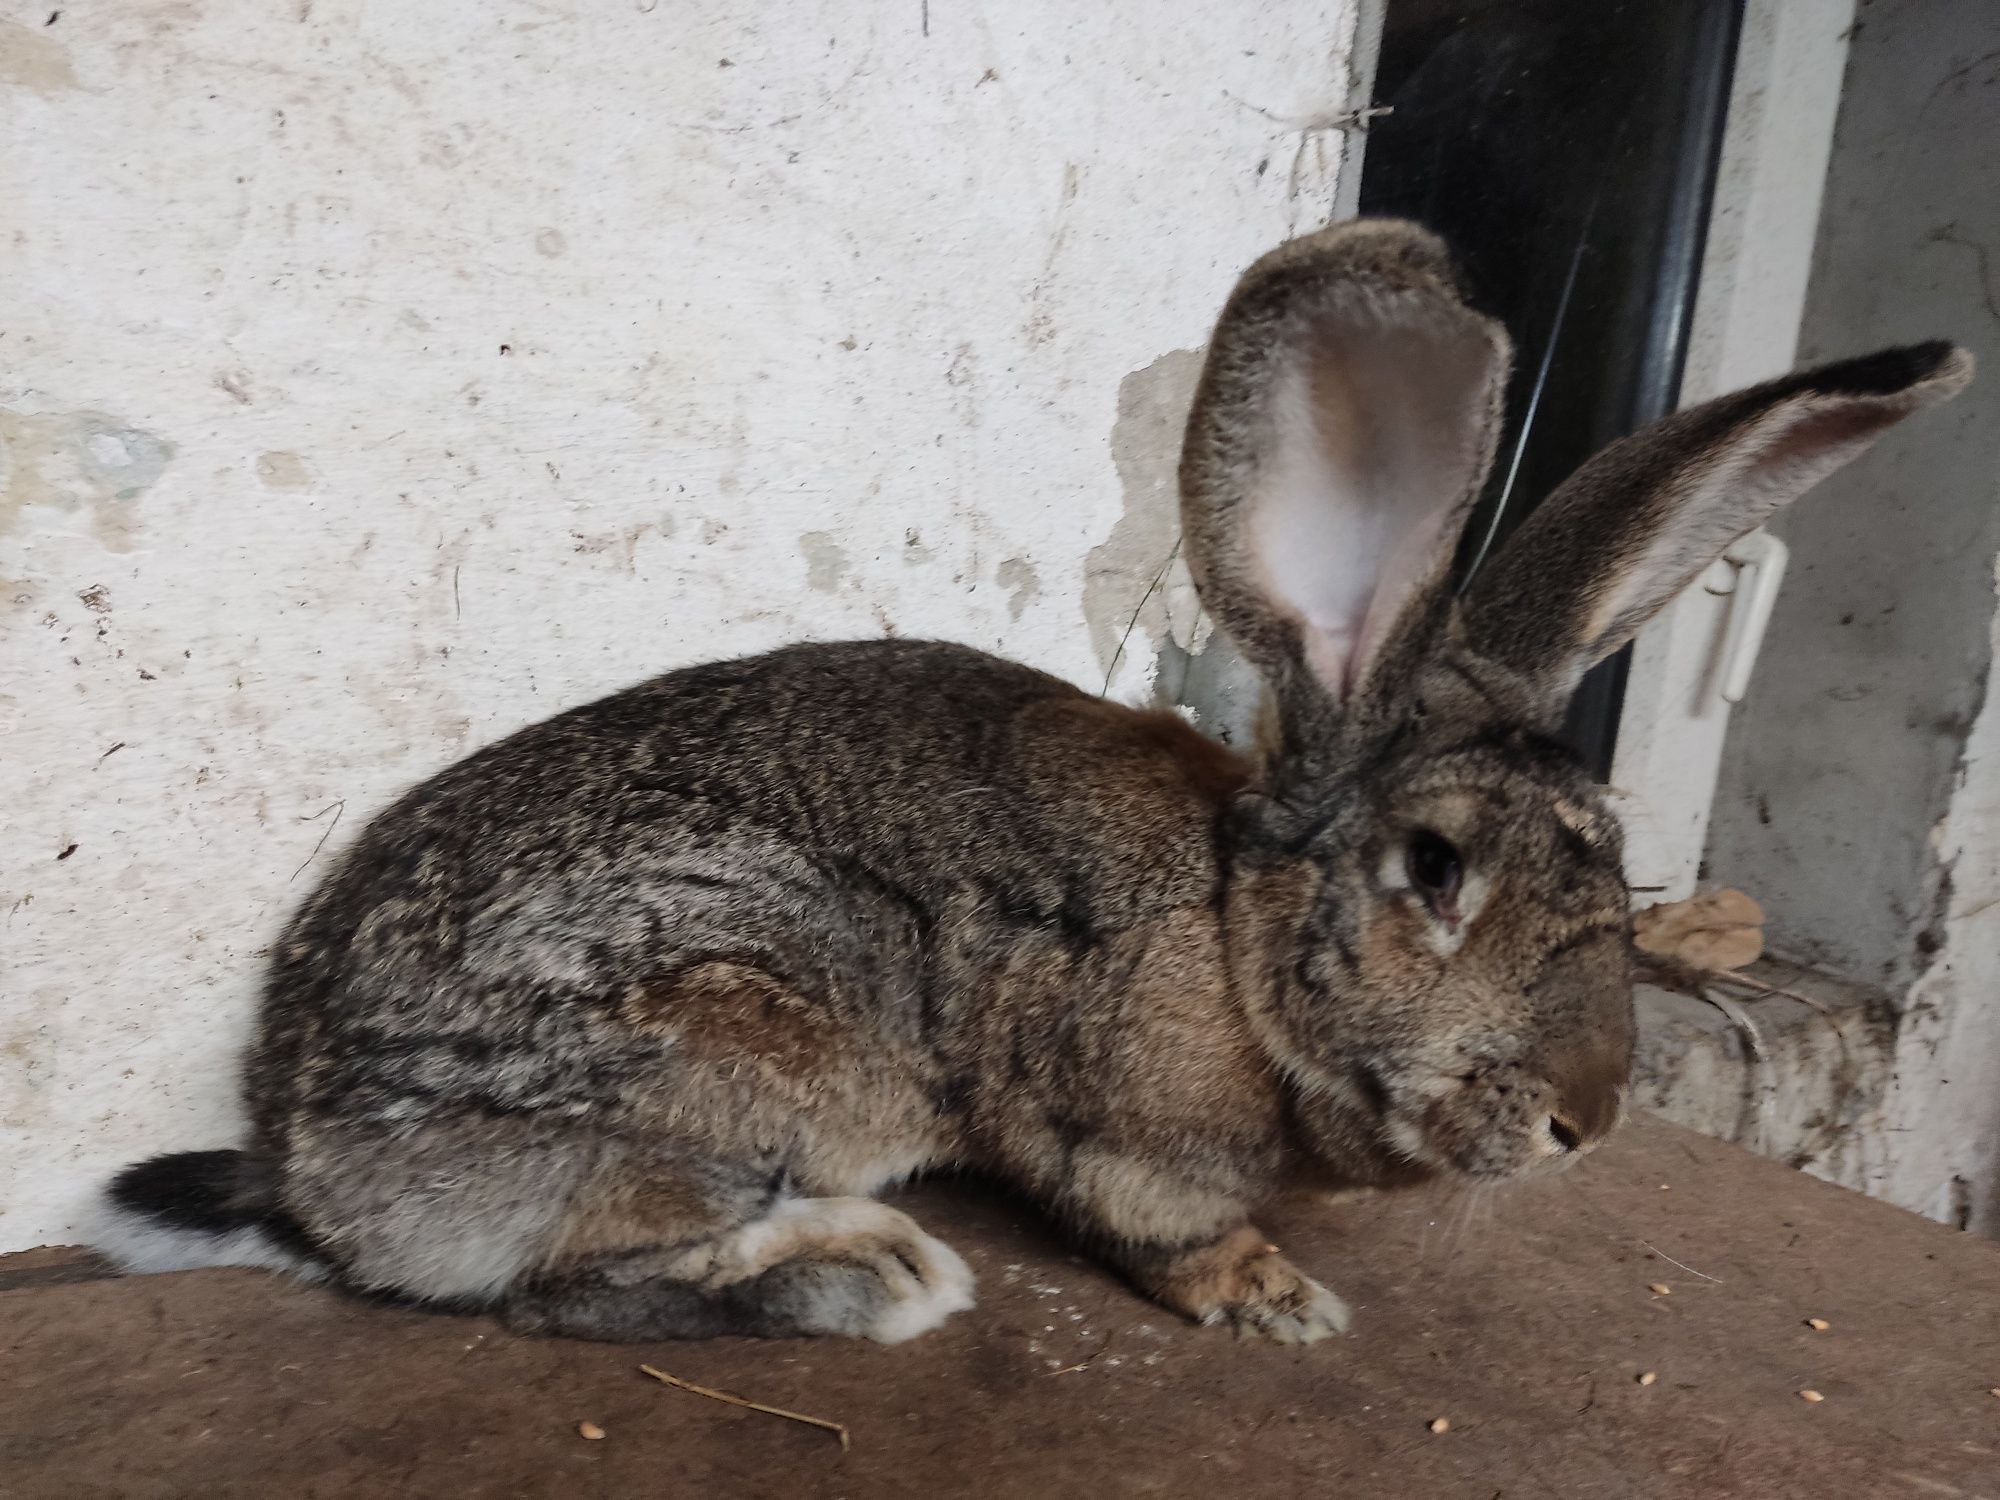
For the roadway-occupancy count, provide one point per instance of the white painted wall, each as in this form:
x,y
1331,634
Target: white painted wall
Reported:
x,y
378,378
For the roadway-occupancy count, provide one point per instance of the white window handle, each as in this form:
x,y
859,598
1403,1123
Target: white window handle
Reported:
x,y
1751,572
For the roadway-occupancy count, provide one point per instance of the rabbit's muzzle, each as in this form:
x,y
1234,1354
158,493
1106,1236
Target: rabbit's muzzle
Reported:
x,y
1489,1108
1506,1120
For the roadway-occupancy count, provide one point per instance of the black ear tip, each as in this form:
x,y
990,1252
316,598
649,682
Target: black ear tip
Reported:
x,y
1891,372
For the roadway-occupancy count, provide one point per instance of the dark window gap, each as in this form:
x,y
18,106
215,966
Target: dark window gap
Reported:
x,y
1562,144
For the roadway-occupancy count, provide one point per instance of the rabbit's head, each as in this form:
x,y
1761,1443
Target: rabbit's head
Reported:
x,y
1429,913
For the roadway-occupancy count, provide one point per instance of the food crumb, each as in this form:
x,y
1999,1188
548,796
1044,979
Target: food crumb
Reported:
x,y
1440,1424
1649,1377
1813,1396
1659,1289
589,1430
1818,1325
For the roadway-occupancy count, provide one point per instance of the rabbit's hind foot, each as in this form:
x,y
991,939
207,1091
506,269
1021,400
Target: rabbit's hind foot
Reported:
x,y
847,1266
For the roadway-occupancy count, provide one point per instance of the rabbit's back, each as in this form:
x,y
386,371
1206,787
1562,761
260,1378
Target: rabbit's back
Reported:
x,y
869,836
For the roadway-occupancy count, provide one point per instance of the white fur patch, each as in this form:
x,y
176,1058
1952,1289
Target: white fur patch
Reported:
x,y
790,1227
946,1289
942,1283
140,1246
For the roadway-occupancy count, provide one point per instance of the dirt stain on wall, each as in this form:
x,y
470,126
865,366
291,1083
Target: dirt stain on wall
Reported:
x,y
826,561
283,471
83,460
32,60
1017,575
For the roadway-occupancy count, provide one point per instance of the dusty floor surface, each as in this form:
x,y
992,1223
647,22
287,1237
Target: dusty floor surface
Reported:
x,y
1525,1320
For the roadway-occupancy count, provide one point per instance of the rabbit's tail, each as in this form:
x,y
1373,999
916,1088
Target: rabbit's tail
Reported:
x,y
199,1208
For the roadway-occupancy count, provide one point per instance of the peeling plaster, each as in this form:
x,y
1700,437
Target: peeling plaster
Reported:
x,y
1136,588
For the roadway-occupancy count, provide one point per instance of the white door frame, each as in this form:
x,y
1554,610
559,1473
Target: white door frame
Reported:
x,y
1756,266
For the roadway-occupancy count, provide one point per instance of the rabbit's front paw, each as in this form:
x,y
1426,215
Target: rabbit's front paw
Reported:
x,y
1245,1284
1286,1307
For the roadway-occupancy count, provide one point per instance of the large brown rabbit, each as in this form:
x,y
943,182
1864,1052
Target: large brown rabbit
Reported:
x,y
615,1025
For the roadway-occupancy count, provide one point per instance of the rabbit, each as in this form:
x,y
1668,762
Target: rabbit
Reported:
x,y
616,1027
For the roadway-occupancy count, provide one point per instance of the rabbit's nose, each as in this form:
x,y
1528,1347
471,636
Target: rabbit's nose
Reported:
x,y
1581,1120
1586,1096
1565,1134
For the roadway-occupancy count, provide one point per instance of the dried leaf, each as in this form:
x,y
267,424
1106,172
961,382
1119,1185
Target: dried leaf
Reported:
x,y
1721,930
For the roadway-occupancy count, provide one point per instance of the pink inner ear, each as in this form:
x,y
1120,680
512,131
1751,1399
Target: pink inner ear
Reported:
x,y
1407,568
1374,447
1315,546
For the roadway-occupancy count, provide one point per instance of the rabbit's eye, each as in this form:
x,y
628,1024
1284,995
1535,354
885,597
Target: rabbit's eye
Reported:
x,y
1434,869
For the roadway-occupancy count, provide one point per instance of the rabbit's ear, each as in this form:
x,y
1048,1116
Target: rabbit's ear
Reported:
x,y
1344,422
1639,522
